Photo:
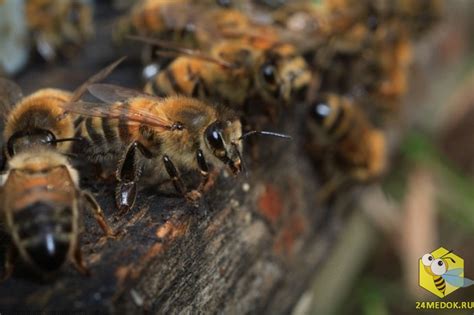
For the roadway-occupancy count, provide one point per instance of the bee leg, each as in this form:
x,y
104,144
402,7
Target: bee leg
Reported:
x,y
203,168
176,179
3,160
79,264
98,214
207,177
9,263
127,175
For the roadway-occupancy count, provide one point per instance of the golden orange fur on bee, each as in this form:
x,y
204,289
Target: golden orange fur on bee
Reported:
x,y
41,110
41,204
186,21
173,125
340,128
58,24
234,72
133,132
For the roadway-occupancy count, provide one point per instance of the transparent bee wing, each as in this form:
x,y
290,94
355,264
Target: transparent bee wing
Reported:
x,y
131,116
110,93
99,76
10,94
453,277
454,272
468,282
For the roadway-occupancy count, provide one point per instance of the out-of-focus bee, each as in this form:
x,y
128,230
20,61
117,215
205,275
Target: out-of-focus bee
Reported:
x,y
416,16
40,195
392,60
59,25
344,140
235,72
186,21
41,205
374,69
161,135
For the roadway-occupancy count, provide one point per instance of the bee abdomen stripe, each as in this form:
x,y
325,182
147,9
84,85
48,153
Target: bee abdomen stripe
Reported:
x,y
155,88
172,79
438,280
96,137
337,122
109,132
78,121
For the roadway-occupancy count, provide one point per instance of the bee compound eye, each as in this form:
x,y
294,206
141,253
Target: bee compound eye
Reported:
x,y
320,111
427,259
438,267
214,137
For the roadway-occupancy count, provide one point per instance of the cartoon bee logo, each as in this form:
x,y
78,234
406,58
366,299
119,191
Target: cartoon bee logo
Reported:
x,y
446,272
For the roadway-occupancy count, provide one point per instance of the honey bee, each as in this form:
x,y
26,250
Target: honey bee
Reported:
x,y
186,21
40,207
342,138
59,25
416,16
162,136
40,196
233,73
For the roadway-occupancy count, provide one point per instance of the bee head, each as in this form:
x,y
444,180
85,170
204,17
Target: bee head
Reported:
x,y
283,73
25,139
438,266
28,138
221,138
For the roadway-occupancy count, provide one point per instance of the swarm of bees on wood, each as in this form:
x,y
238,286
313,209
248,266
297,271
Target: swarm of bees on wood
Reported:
x,y
216,71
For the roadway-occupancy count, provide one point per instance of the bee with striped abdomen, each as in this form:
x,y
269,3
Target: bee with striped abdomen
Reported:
x,y
341,136
40,196
162,136
40,207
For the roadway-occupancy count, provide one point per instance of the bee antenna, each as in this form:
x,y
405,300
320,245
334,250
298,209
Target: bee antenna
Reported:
x,y
264,133
65,140
451,258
